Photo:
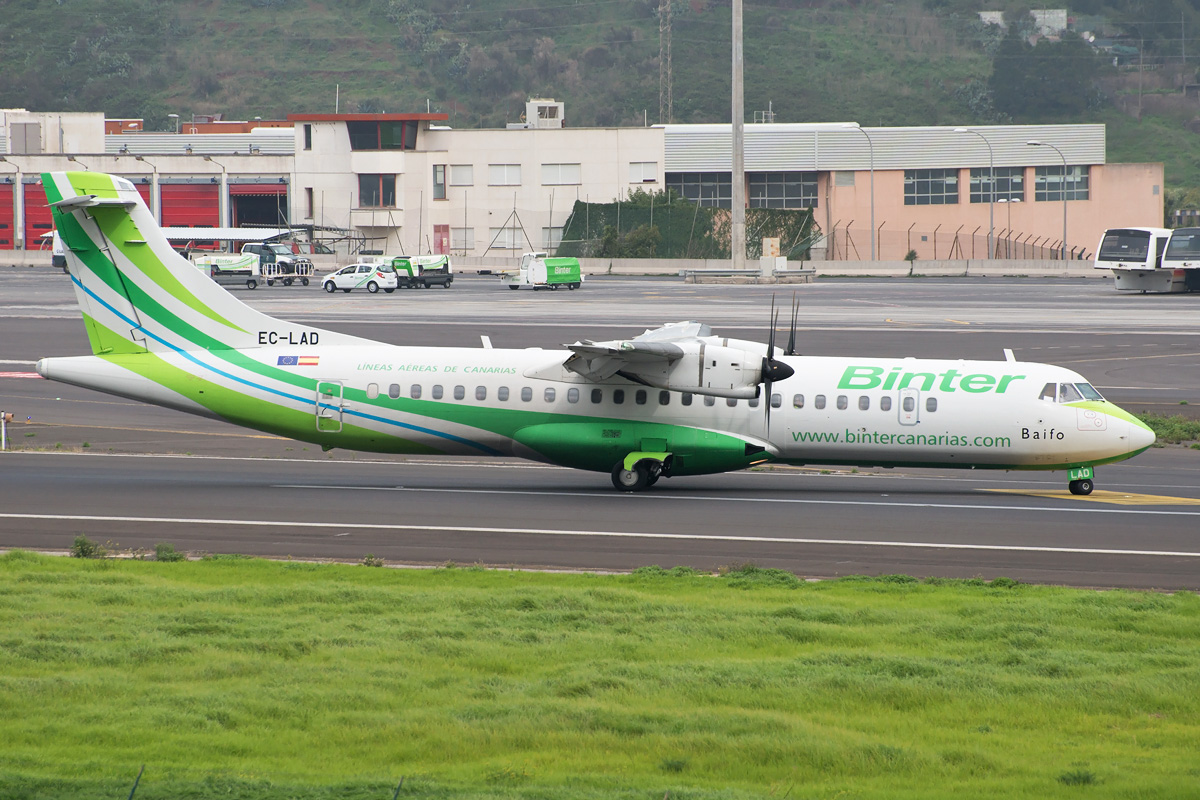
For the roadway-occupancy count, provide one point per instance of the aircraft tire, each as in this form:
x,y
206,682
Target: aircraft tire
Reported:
x,y
630,480
372,287
329,287
1081,487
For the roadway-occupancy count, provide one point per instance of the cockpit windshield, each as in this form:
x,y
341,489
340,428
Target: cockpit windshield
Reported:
x,y
1184,245
1069,392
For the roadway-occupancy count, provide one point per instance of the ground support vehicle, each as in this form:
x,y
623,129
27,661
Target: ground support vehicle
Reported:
x,y
364,275
415,272
541,272
231,269
279,263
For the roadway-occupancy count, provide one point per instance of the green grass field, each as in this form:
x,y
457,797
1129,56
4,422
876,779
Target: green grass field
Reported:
x,y
254,679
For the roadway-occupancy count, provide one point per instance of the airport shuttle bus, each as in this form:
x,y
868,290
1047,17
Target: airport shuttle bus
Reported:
x,y
1135,256
1182,258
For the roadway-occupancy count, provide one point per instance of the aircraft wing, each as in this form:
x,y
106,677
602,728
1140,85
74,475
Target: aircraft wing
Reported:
x,y
600,361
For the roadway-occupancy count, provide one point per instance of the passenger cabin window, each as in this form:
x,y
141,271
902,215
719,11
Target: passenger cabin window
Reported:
x,y
572,395
909,404
415,391
526,394
686,399
597,395
639,397
481,393
885,404
549,394
460,392
502,394
931,404
437,391
618,396
731,402
372,391
776,400
842,402
664,398
753,402
394,391
709,400
864,403
797,401
819,401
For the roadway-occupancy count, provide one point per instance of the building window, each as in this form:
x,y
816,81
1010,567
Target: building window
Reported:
x,y
1048,183
505,238
504,174
710,189
930,187
782,189
462,175
377,191
643,172
382,135
560,175
1010,184
307,136
551,238
439,181
308,199
462,238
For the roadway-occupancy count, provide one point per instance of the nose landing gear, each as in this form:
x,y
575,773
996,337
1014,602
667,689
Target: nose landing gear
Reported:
x,y
1080,481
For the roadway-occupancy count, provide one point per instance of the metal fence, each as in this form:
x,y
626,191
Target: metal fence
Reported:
x,y
851,243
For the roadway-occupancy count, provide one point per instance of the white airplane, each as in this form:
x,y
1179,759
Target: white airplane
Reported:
x,y
673,401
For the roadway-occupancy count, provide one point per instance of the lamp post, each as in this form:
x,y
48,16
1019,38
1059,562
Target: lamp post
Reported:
x,y
75,160
871,149
18,200
737,228
991,187
155,190
176,118
1063,187
223,205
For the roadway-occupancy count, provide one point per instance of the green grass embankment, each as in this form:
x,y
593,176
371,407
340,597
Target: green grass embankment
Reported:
x,y
257,679
1174,429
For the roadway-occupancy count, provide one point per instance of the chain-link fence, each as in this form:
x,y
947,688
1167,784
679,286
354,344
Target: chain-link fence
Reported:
x,y
852,243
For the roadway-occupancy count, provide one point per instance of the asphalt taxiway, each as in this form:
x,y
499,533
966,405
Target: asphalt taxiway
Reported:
x,y
136,474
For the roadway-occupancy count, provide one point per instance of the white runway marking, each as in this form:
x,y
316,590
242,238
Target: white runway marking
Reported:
x,y
719,499
343,526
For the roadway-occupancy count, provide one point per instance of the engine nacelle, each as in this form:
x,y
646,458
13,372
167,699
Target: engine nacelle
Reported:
x,y
708,370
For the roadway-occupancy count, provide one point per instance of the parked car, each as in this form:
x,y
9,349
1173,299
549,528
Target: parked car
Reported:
x,y
371,277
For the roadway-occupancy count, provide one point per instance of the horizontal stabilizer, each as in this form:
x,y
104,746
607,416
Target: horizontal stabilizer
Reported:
x,y
91,201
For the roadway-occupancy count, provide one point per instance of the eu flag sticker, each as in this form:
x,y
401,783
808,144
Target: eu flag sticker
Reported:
x,y
287,361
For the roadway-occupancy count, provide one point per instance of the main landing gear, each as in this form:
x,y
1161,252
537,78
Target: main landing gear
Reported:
x,y
641,473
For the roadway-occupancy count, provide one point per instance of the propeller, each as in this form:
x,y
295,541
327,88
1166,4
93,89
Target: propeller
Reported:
x,y
773,370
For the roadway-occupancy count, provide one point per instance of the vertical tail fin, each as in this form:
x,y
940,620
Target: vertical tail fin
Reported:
x,y
136,293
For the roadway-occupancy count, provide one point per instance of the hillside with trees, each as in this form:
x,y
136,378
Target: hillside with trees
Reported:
x,y
897,63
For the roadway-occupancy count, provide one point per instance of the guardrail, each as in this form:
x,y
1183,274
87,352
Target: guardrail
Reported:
x,y
755,275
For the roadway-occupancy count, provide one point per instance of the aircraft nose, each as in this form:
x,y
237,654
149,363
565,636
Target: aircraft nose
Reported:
x,y
1140,435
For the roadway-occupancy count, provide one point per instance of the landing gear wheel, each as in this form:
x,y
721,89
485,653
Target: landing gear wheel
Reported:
x,y
630,480
1083,487
329,287
372,287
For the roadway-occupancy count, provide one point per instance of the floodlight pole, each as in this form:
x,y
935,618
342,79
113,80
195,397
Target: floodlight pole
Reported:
x,y
991,186
1064,190
737,233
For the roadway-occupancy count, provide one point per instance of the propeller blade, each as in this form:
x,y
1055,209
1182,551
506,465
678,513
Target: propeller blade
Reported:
x,y
791,348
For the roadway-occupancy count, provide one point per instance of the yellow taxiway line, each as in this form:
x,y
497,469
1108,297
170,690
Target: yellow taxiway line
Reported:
x,y
1101,496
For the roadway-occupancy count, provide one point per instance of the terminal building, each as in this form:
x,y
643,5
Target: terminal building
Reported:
x,y
410,183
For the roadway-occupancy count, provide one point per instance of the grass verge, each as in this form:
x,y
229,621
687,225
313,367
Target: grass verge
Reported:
x,y
1175,429
255,679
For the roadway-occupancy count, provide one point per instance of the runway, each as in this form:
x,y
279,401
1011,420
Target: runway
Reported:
x,y
148,475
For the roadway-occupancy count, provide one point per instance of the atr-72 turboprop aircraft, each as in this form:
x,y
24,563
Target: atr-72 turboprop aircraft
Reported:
x,y
673,401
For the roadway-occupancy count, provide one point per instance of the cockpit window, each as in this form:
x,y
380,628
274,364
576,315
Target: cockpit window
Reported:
x,y
1049,392
1067,393
1088,392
